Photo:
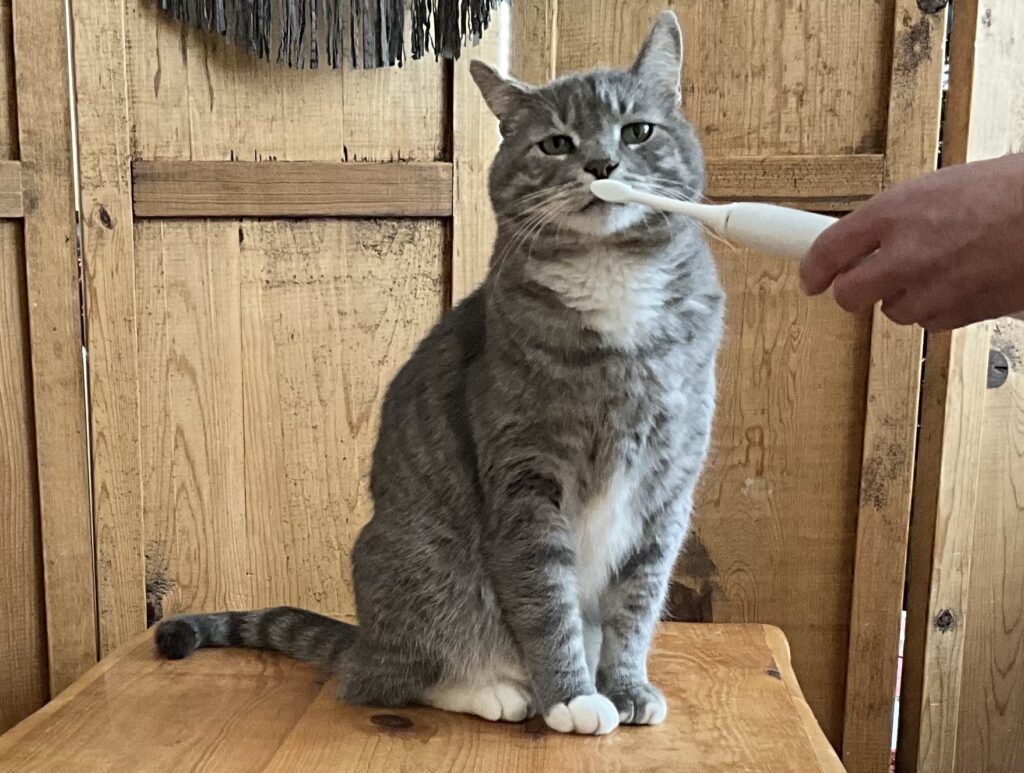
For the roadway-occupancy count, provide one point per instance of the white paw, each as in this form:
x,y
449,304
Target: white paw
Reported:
x,y
501,701
584,714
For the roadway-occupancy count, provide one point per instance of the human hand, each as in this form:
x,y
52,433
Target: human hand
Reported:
x,y
944,250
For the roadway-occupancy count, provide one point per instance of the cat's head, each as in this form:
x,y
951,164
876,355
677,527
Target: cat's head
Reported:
x,y
623,124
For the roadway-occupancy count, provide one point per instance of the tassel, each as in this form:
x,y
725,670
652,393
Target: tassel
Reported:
x,y
376,28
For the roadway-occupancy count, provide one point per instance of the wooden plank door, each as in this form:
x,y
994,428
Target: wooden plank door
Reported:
x,y
803,511
240,344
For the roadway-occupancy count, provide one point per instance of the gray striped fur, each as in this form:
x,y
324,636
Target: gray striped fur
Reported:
x,y
535,469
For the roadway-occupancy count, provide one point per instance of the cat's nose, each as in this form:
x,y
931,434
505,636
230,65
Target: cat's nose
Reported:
x,y
601,168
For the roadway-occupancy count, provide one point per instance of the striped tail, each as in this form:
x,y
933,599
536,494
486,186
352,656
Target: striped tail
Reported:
x,y
299,633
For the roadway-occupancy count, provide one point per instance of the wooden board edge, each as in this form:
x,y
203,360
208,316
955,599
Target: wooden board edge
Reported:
x,y
109,263
92,675
779,647
12,204
55,329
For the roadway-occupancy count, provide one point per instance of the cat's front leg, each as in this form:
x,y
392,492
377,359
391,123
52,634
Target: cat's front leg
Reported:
x,y
629,611
533,568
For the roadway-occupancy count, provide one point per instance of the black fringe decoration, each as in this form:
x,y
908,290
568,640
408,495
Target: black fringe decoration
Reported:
x,y
305,28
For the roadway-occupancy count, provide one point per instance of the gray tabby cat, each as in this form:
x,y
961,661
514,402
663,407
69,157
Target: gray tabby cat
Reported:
x,y
537,457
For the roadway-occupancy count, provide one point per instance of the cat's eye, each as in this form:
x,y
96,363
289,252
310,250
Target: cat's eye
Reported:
x,y
635,133
559,145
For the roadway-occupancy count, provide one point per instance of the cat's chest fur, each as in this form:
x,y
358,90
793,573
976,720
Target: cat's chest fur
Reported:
x,y
609,528
618,296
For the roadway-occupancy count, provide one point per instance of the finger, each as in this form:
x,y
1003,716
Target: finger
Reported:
x,y
839,248
879,276
907,308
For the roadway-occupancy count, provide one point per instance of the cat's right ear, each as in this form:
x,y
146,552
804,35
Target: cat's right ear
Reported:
x,y
502,95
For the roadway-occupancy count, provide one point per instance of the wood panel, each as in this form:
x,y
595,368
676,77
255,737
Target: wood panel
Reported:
x,y
253,442
818,183
963,632
775,522
198,97
768,78
475,140
890,433
55,323
23,669
107,257
290,189
991,702
265,353
11,204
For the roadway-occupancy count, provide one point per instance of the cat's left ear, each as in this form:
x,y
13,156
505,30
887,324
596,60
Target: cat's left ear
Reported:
x,y
502,95
660,61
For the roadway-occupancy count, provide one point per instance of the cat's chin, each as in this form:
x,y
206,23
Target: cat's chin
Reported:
x,y
601,219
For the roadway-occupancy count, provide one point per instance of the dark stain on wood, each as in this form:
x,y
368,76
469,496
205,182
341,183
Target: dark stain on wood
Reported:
x,y
932,6
105,219
692,591
882,468
391,721
914,46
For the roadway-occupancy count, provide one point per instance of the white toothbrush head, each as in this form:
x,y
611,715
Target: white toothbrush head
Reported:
x,y
612,191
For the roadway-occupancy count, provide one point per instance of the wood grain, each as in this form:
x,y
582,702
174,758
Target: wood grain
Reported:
x,y
991,703
197,97
533,50
732,697
290,189
775,516
11,204
773,77
55,323
818,183
185,529
108,258
890,424
23,668
962,642
474,141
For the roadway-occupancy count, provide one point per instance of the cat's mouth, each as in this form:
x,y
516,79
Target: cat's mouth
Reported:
x,y
594,203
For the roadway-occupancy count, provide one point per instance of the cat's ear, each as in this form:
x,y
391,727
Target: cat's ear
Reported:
x,y
660,61
502,95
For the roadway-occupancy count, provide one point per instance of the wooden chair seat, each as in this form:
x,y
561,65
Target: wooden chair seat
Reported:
x,y
734,705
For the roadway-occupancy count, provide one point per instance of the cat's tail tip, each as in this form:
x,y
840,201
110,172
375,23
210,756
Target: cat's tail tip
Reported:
x,y
176,639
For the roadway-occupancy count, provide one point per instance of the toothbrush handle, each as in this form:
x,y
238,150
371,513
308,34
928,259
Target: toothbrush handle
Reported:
x,y
779,230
